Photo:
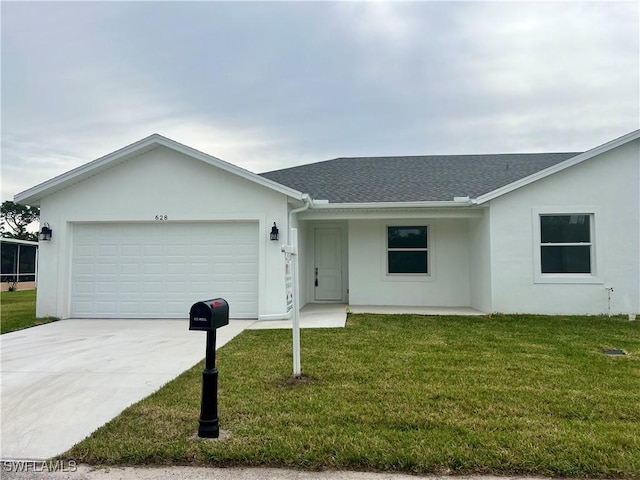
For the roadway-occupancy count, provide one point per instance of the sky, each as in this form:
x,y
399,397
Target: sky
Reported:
x,y
269,85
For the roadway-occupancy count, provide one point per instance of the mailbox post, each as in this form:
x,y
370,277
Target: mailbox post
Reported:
x,y
208,316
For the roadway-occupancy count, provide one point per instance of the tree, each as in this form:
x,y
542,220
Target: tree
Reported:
x,y
17,218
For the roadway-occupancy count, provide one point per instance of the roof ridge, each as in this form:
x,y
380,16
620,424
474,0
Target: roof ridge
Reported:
x,y
377,157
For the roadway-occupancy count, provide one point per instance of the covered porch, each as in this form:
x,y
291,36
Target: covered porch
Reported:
x,y
348,257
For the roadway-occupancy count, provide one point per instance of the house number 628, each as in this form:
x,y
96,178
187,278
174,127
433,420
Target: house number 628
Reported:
x,y
162,217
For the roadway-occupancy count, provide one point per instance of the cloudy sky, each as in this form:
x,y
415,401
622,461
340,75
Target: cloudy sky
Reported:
x,y
266,85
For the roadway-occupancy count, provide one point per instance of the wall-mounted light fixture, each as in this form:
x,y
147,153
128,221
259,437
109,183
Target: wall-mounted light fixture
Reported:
x,y
45,233
274,232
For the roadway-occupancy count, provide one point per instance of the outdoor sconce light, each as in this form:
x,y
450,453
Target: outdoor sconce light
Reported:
x,y
45,233
274,232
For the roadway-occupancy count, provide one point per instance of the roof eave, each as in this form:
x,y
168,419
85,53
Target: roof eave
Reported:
x,y
394,205
558,167
18,241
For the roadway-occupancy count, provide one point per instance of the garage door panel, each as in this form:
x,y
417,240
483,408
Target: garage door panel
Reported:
x,y
153,268
244,268
152,287
105,287
106,268
129,308
129,283
109,308
199,269
130,250
177,259
245,287
85,251
176,250
84,268
176,267
198,287
83,308
130,296
175,309
129,269
159,270
152,309
174,287
83,287
225,268
108,251
201,251
153,250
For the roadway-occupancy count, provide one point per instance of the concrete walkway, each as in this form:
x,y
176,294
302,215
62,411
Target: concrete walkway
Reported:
x,y
392,310
312,315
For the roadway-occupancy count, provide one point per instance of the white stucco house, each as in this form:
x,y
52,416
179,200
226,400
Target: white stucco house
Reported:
x,y
151,228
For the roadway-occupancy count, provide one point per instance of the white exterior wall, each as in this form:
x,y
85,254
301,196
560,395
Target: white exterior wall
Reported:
x,y
448,282
160,182
480,262
304,254
609,185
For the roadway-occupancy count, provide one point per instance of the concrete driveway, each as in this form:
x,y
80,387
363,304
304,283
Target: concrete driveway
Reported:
x,y
62,380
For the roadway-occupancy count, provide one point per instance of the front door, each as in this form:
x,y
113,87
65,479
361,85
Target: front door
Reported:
x,y
328,264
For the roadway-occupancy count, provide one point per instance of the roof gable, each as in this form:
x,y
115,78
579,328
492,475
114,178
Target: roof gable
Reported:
x,y
33,195
560,166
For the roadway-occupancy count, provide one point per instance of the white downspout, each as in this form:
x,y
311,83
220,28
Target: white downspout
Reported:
x,y
308,202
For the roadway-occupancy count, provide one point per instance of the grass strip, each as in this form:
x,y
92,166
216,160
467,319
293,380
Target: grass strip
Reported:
x,y
18,311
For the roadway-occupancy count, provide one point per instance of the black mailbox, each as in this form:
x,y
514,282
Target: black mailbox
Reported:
x,y
209,315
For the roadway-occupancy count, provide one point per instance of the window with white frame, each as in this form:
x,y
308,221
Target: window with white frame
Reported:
x,y
566,244
407,250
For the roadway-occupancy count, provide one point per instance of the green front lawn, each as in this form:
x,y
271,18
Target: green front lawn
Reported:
x,y
504,395
18,311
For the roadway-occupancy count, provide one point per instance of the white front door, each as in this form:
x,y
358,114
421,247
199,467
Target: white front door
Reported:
x,y
328,264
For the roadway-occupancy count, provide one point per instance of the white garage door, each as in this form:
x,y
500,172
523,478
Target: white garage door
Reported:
x,y
159,270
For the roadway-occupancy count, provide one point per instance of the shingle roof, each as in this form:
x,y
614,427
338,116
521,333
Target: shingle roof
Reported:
x,y
412,179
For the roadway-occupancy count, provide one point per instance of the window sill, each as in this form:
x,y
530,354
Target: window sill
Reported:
x,y
408,277
567,278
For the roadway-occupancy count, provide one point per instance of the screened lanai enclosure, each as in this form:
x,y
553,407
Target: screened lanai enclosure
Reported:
x,y
19,264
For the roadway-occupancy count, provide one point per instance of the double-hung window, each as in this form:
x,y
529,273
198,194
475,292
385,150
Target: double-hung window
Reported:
x,y
407,250
566,244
